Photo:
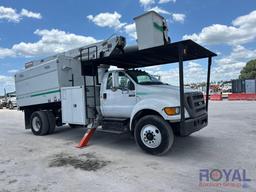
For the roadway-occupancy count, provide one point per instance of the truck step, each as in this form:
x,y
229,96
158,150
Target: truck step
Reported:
x,y
115,125
115,119
112,131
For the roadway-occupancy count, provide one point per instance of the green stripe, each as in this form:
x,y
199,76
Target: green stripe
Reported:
x,y
45,93
158,27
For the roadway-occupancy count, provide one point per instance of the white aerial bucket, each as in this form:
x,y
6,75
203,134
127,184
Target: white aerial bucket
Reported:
x,y
152,30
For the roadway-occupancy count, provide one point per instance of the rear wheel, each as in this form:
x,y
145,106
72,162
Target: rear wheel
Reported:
x,y
154,135
52,122
39,123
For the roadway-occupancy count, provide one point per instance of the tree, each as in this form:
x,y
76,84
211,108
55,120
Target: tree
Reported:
x,y
249,70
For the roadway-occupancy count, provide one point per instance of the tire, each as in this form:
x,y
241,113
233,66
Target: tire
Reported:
x,y
10,106
39,123
52,122
154,135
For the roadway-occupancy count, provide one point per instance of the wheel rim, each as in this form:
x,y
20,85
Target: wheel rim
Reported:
x,y
36,124
150,136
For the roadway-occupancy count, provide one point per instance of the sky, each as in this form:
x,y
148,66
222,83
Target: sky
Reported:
x,y
35,29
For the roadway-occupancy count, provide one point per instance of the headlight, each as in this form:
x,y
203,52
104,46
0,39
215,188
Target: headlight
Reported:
x,y
172,110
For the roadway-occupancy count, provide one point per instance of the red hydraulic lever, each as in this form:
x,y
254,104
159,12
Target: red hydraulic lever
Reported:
x,y
84,141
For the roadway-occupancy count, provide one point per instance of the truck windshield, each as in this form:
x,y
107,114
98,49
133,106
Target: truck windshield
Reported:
x,y
143,78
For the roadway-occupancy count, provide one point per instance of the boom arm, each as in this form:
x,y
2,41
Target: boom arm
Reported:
x,y
109,47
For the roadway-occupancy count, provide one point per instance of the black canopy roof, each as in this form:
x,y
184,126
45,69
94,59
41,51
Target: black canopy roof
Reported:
x,y
156,55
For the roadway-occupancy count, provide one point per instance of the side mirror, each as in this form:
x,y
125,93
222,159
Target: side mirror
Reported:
x,y
124,89
131,86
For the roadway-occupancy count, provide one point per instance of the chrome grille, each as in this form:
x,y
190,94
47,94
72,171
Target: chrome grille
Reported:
x,y
195,104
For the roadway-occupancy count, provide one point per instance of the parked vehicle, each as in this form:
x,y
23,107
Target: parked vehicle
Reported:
x,y
76,87
1,104
11,102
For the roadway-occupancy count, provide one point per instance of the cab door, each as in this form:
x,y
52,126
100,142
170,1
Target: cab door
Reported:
x,y
118,96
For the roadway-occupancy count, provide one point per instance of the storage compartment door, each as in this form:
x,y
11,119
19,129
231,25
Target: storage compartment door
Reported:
x,y
73,105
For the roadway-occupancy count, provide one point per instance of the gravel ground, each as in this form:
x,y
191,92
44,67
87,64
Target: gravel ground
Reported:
x,y
114,163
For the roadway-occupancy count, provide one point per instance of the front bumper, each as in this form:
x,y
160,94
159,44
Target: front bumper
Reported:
x,y
193,125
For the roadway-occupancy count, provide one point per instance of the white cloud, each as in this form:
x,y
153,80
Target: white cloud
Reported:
x,y
11,15
238,53
229,67
30,14
146,3
13,71
166,1
4,52
242,30
193,72
130,29
160,10
246,21
111,20
178,17
51,42
226,68
193,64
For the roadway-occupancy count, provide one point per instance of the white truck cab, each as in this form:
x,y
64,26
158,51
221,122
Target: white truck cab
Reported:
x,y
126,92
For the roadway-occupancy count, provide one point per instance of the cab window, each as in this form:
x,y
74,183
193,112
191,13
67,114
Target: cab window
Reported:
x,y
143,78
124,82
110,81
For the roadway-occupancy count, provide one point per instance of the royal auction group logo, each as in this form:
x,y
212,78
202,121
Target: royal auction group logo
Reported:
x,y
232,178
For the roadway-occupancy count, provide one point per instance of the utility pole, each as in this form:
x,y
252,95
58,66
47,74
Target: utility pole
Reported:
x,y
5,96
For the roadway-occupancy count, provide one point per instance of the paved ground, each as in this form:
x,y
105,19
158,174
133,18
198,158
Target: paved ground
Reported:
x,y
114,163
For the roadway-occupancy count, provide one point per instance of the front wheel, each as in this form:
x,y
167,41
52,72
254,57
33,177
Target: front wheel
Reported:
x,y
154,135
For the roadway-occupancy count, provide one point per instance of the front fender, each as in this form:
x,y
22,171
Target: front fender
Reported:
x,y
156,105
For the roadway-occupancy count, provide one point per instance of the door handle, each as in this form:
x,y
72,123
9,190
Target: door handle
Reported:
x,y
104,95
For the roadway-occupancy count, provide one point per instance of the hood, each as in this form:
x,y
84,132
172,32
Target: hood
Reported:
x,y
161,89
166,93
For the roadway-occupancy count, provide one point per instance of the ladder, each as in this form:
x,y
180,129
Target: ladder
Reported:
x,y
92,71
